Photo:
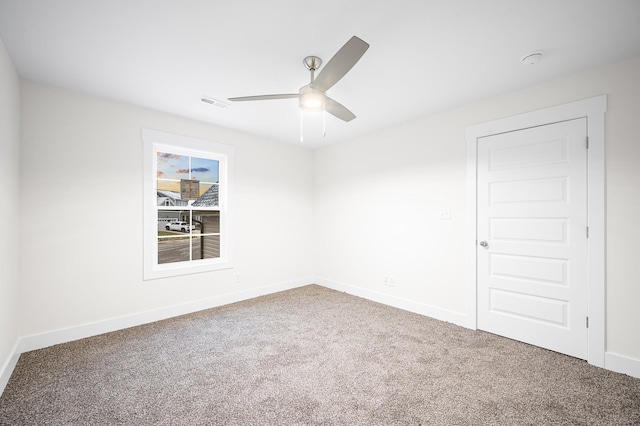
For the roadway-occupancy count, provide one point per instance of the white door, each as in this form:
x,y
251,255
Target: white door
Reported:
x,y
532,236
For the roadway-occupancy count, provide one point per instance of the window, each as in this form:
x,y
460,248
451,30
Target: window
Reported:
x,y
186,205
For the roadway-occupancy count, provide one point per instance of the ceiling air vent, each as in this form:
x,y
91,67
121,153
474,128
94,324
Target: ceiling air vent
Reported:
x,y
214,102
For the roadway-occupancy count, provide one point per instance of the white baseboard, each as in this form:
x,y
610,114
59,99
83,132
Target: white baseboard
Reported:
x,y
54,337
8,366
622,364
397,302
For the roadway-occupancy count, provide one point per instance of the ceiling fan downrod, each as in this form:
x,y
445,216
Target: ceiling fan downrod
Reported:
x,y
312,63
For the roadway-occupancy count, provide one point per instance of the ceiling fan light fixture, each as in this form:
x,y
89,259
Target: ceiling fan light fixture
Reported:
x,y
311,99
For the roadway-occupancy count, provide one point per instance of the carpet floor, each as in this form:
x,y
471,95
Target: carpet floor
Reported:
x,y
310,356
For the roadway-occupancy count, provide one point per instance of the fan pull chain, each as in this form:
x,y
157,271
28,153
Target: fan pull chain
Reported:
x,y
301,126
324,123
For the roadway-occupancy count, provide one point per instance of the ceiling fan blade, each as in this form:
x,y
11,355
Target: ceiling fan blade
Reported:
x,y
340,64
338,110
264,97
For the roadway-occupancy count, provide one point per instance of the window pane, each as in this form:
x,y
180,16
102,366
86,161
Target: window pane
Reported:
x,y
174,221
172,249
173,166
207,222
206,247
204,170
209,198
171,169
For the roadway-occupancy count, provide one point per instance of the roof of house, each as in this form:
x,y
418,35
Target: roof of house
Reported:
x,y
208,199
169,194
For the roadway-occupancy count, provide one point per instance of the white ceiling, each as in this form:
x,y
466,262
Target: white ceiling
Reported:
x,y
425,56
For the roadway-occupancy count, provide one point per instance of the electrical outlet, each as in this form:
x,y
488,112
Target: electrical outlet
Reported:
x,y
389,281
444,214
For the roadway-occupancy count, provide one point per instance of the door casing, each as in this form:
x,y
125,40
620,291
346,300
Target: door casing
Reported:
x,y
593,109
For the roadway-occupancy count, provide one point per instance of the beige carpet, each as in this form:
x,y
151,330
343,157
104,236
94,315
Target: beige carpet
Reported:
x,y
311,356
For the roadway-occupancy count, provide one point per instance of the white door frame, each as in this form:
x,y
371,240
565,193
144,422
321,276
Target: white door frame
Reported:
x,y
593,109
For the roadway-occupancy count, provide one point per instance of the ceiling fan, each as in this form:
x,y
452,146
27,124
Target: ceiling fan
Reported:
x,y
312,96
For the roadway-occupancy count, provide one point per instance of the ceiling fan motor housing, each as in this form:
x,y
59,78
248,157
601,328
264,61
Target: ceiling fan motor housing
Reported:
x,y
311,99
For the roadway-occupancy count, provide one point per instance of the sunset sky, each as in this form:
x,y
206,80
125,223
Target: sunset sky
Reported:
x,y
173,167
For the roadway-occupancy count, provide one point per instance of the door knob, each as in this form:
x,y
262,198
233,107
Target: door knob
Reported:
x,y
484,244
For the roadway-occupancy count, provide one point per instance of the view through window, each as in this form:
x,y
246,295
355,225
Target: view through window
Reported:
x,y
188,207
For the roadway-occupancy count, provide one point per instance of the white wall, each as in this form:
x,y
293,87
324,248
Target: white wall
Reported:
x,y
9,242
377,200
81,212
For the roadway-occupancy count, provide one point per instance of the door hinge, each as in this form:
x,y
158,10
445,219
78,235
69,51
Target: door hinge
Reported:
x,y
587,322
587,144
587,232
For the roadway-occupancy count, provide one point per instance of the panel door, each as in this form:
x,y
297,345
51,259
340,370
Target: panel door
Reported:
x,y
532,236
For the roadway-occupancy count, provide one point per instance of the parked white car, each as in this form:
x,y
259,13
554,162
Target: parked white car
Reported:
x,y
179,226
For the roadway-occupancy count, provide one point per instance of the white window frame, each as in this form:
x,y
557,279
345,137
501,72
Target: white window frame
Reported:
x,y
154,141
